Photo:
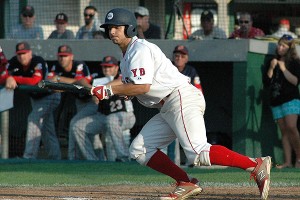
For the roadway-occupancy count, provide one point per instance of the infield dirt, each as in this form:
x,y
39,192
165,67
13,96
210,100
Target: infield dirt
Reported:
x,y
140,192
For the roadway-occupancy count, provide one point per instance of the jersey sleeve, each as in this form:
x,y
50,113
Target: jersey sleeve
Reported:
x,y
40,70
82,71
141,65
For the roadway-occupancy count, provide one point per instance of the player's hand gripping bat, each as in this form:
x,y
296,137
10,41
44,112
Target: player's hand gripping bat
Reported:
x,y
65,87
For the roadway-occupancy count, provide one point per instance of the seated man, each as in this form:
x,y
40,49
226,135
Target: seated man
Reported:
x,y
61,32
208,31
114,116
28,69
284,29
27,29
146,29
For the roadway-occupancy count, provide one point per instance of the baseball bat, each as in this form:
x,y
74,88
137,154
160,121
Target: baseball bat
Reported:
x,y
65,87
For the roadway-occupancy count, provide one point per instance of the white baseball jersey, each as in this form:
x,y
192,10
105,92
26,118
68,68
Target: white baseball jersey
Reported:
x,y
140,68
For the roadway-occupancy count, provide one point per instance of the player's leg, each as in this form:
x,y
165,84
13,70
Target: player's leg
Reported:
x,y
116,123
83,109
49,136
145,148
36,120
189,127
84,129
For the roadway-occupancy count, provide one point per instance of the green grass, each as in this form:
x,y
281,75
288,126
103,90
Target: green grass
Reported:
x,y
56,173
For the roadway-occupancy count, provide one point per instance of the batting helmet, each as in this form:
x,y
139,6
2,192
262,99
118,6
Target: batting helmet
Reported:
x,y
121,17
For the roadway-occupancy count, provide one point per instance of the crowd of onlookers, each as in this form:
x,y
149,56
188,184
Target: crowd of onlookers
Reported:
x,y
244,28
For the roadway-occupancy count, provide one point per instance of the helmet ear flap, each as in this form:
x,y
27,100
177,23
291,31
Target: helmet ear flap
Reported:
x,y
107,32
130,30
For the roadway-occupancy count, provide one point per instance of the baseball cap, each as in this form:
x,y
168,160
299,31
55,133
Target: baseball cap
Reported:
x,y
207,15
109,61
64,50
141,11
22,47
61,18
3,60
28,11
181,49
284,22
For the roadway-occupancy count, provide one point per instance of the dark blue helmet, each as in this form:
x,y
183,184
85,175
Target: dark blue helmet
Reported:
x,y
121,17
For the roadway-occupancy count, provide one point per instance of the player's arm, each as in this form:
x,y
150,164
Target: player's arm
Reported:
x,y
128,89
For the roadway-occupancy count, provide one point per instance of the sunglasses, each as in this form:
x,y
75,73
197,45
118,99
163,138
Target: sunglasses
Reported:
x,y
287,37
244,22
88,15
27,15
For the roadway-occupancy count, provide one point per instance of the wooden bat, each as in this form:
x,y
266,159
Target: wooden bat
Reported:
x,y
65,87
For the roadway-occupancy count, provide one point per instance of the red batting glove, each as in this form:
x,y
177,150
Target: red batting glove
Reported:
x,y
102,92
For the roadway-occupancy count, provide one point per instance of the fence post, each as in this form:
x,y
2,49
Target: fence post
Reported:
x,y
5,134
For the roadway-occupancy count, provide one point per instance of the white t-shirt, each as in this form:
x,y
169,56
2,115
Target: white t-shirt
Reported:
x,y
145,63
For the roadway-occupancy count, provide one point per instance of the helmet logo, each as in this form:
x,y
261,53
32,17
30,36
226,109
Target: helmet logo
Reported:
x,y
110,16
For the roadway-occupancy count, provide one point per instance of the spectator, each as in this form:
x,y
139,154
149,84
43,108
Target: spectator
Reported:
x,y
99,35
282,78
180,60
68,70
28,69
114,116
246,30
284,28
146,30
91,23
208,31
28,29
61,32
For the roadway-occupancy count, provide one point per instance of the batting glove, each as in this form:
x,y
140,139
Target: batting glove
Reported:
x,y
102,92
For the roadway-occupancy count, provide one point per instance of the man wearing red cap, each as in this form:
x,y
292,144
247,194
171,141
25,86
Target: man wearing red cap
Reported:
x,y
284,29
61,32
68,70
28,69
113,117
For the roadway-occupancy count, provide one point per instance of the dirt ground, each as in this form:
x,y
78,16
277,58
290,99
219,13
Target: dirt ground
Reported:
x,y
140,192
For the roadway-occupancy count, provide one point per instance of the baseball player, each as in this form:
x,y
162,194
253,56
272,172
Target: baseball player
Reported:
x,y
151,77
114,116
180,60
3,64
28,69
68,70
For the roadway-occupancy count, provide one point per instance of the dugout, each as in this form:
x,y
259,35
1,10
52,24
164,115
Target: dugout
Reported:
x,y
237,113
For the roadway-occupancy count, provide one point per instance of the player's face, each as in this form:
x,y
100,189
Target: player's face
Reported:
x,y
65,61
25,58
180,60
110,70
117,34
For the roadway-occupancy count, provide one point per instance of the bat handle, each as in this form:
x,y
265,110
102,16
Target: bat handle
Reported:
x,y
41,84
